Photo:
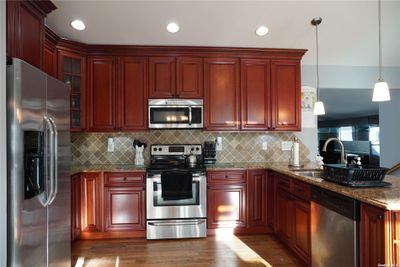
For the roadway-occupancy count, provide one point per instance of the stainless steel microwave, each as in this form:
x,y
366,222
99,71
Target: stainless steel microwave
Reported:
x,y
175,113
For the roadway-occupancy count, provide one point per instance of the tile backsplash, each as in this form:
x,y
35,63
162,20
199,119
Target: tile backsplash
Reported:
x,y
91,148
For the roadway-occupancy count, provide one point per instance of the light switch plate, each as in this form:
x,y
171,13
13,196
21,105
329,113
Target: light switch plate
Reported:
x,y
218,145
264,145
110,144
286,145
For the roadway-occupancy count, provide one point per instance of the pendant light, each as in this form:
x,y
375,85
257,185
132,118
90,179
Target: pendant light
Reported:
x,y
319,108
381,88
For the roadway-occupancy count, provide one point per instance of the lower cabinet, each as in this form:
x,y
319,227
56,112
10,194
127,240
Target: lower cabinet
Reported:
x,y
125,208
226,199
292,221
76,223
226,206
91,198
372,236
257,199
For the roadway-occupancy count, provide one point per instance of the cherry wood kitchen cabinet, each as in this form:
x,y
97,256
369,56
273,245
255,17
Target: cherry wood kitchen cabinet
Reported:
x,y
76,219
257,199
132,93
176,77
189,77
226,199
91,198
221,94
50,53
292,219
102,90
72,71
255,94
373,237
285,95
396,237
26,30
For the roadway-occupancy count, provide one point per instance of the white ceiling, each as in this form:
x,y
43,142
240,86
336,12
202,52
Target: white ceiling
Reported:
x,y
348,33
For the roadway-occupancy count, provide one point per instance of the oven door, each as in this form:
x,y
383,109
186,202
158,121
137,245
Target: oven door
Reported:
x,y
158,208
175,117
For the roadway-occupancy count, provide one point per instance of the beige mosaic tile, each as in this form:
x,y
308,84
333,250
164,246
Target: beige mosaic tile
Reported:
x,y
91,148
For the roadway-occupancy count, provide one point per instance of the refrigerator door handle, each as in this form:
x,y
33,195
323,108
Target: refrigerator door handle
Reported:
x,y
55,161
50,150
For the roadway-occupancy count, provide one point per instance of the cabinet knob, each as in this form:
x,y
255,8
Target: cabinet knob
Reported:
x,y
125,178
379,217
226,176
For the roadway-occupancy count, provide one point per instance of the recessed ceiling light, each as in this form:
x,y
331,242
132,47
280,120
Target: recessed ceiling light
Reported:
x,y
78,25
172,27
262,30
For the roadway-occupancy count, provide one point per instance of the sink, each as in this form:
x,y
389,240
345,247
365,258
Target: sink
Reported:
x,y
314,174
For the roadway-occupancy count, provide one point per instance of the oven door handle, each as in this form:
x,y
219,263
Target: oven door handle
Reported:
x,y
194,179
194,222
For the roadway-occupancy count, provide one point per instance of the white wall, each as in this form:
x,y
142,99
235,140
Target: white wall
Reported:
x,y
3,155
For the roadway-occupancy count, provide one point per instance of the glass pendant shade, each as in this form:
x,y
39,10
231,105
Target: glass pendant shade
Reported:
x,y
319,108
381,92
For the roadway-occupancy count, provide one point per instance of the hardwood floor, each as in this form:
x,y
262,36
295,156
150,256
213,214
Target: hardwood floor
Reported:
x,y
254,250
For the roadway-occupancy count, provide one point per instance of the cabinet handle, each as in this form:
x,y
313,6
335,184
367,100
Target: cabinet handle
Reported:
x,y
379,217
125,178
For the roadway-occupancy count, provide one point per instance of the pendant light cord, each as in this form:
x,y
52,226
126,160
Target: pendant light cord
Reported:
x,y
380,40
316,40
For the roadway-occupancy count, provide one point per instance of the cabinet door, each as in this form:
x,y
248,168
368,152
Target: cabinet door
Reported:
x,y
257,198
162,77
396,237
101,94
91,202
285,93
302,229
50,59
72,71
271,192
284,216
372,236
76,206
125,208
189,77
255,94
132,93
226,206
221,88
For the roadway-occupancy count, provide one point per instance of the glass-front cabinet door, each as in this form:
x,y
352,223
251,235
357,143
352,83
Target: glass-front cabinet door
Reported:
x,y
72,71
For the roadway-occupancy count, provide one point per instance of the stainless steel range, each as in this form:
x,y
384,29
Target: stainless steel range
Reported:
x,y
176,192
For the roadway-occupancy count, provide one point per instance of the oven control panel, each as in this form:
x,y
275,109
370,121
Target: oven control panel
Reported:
x,y
165,150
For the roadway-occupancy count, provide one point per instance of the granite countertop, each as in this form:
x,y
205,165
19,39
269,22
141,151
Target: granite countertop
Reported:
x,y
106,167
386,198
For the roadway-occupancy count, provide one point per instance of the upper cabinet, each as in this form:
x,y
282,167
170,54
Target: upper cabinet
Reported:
x,y
221,93
50,53
132,93
101,93
26,30
72,71
176,77
255,94
285,94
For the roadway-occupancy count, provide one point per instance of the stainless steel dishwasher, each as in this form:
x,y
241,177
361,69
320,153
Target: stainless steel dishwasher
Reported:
x,y
334,229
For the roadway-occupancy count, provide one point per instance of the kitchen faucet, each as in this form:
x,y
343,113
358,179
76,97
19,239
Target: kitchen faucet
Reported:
x,y
343,160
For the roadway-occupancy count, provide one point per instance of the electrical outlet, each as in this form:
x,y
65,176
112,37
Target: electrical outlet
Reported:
x,y
264,145
218,145
286,145
110,144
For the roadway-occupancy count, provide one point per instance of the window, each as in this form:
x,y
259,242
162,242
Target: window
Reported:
x,y
346,133
374,135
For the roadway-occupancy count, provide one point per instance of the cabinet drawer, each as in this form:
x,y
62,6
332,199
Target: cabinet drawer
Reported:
x,y
226,177
283,183
302,190
123,178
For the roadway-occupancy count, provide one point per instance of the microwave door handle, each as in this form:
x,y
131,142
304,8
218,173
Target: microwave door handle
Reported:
x,y
190,115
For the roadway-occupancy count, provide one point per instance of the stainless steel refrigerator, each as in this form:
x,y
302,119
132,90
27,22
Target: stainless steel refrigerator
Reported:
x,y
38,158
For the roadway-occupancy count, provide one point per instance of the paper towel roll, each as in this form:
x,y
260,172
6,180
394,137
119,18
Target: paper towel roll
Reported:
x,y
296,154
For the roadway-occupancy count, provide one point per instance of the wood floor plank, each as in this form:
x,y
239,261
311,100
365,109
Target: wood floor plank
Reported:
x,y
252,250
